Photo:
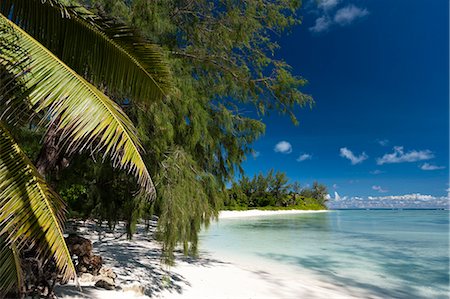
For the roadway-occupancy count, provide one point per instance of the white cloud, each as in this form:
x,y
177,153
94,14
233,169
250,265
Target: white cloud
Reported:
x,y
379,189
346,153
376,171
335,186
329,15
427,166
304,157
283,147
322,24
348,14
415,200
399,156
413,196
383,142
327,4
336,196
256,154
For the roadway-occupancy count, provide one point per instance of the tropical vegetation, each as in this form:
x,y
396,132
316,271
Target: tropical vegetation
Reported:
x,y
43,50
227,76
98,97
273,191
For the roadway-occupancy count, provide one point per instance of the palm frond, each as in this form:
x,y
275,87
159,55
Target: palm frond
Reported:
x,y
11,276
14,105
30,211
85,116
109,53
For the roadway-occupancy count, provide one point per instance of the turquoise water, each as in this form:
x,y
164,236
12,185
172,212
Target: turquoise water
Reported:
x,y
388,253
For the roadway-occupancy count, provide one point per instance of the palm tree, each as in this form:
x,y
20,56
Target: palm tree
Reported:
x,y
319,192
53,59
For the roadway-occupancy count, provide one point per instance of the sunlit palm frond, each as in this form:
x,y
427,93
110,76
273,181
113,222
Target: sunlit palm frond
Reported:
x,y
30,211
109,53
10,270
85,116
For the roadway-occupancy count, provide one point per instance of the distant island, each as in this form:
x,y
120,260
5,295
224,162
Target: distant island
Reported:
x,y
274,192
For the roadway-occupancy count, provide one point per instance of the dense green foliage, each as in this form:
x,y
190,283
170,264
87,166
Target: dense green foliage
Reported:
x,y
221,55
222,58
63,93
274,192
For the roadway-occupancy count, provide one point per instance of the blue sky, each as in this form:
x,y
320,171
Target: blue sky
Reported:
x,y
379,73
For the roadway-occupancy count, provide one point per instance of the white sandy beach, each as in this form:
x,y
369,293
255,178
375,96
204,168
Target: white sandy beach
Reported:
x,y
137,262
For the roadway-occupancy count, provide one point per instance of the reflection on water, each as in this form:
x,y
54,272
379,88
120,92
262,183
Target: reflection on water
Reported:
x,y
310,222
397,254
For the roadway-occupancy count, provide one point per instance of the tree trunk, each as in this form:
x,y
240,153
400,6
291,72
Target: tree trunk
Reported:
x,y
49,154
50,157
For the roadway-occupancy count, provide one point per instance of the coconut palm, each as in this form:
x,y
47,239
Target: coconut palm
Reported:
x,y
53,59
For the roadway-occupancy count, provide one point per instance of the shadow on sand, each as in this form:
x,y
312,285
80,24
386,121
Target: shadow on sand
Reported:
x,y
138,260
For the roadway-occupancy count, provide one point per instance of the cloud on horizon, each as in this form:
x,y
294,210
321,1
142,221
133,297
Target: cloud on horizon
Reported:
x,y
399,156
348,154
412,196
283,147
304,157
428,166
337,197
414,200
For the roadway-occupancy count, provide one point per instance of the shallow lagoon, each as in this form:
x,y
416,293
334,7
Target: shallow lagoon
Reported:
x,y
388,253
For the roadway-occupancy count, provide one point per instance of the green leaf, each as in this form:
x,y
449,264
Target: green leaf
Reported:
x,y
30,213
15,107
106,52
10,270
86,118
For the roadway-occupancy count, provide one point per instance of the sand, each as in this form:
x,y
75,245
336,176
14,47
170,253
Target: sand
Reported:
x,y
137,263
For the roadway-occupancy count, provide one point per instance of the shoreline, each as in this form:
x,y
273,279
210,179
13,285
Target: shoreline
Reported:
x,y
230,277
225,214
212,275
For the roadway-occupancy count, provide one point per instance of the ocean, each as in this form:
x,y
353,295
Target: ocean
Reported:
x,y
387,253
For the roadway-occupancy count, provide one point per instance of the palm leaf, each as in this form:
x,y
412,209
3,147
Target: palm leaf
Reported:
x,y
14,105
10,268
109,53
30,211
85,116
